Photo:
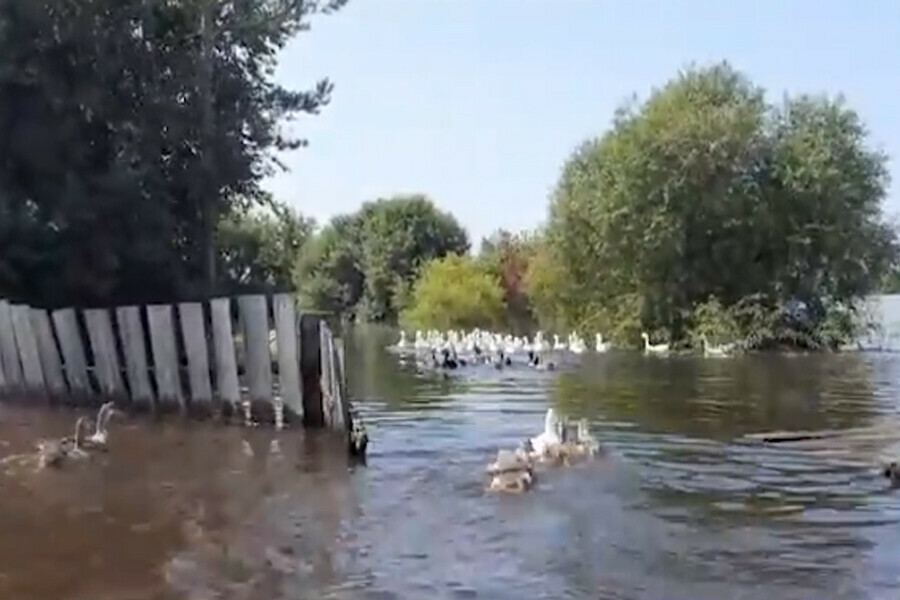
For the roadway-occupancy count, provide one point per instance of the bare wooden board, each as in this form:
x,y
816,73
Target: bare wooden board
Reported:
x,y
103,346
255,320
288,337
65,322
12,366
165,354
51,364
131,333
26,342
223,346
193,333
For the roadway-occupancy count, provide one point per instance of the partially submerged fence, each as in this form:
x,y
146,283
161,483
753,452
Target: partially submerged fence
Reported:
x,y
192,356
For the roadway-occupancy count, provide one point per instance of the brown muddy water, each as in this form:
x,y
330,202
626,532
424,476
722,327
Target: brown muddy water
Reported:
x,y
679,509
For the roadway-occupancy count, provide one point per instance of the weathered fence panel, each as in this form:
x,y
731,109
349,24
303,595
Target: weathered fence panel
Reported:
x,y
3,386
28,349
310,370
131,334
333,405
50,361
223,346
43,351
193,334
74,363
255,320
12,367
165,354
288,338
103,347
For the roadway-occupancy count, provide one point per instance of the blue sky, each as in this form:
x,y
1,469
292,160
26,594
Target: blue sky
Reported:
x,y
477,103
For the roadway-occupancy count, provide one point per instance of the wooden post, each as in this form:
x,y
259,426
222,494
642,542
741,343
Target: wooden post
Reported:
x,y
12,367
193,334
223,344
131,333
28,349
165,355
50,361
255,320
310,370
103,347
288,355
65,322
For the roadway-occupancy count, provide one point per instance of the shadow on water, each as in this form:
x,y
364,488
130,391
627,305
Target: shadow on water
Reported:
x,y
678,508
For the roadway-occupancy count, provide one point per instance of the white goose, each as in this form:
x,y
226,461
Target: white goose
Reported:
x,y
599,344
98,439
550,437
721,350
653,348
403,343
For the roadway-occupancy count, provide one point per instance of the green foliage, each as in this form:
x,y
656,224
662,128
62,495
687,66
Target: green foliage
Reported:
x,y
127,129
507,257
455,292
703,191
714,321
327,273
368,261
258,249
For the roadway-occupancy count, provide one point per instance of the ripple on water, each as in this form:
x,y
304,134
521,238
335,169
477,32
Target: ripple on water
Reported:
x,y
680,506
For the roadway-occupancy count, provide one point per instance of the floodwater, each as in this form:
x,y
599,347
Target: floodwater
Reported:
x,y
679,507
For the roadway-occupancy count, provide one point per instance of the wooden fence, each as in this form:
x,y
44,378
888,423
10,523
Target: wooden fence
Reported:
x,y
191,356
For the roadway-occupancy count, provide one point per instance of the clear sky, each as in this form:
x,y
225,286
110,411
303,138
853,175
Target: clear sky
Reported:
x,y
477,103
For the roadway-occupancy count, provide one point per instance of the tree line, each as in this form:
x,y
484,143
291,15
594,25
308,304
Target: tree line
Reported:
x,y
135,136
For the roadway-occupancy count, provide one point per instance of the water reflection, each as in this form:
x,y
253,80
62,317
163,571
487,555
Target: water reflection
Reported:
x,y
681,507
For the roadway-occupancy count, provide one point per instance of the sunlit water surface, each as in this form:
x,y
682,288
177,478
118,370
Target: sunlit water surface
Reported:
x,y
679,507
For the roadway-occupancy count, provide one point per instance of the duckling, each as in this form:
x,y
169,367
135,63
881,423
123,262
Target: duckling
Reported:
x,y
98,439
510,461
52,453
515,482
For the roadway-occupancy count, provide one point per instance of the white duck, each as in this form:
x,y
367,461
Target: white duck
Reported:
x,y
542,443
599,344
653,348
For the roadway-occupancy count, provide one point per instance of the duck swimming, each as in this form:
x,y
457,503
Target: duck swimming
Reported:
x,y
512,472
53,453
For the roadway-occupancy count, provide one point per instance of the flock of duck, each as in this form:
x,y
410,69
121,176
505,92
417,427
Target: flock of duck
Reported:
x,y
561,443
54,453
454,349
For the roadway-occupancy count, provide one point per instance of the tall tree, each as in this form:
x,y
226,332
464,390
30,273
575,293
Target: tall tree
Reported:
x,y
369,260
705,190
507,256
128,128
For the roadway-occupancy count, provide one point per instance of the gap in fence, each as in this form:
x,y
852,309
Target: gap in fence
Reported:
x,y
196,358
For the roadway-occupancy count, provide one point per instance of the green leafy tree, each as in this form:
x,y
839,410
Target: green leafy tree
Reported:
x,y
258,248
455,292
327,274
705,190
129,128
507,257
367,261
